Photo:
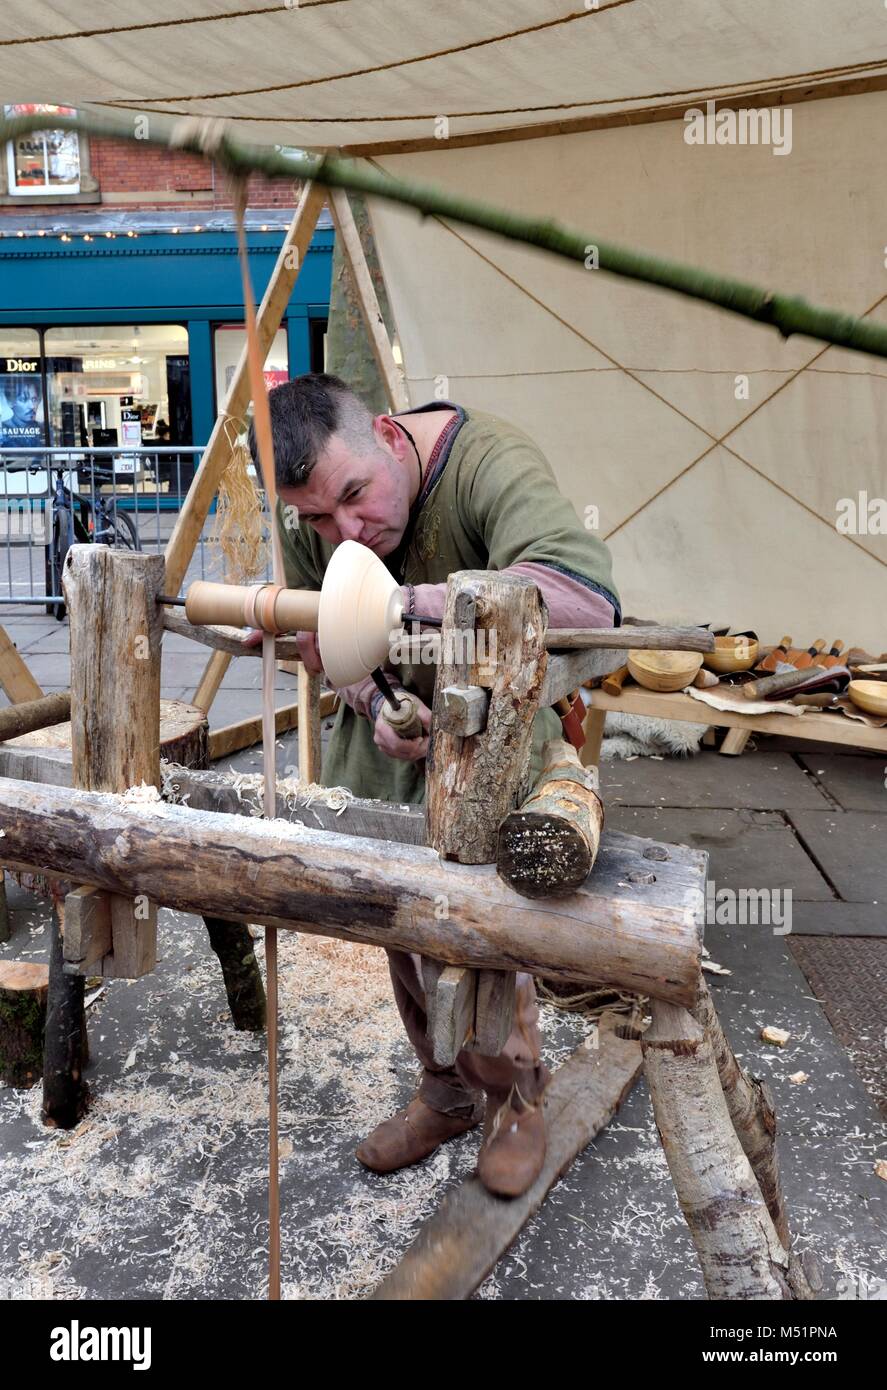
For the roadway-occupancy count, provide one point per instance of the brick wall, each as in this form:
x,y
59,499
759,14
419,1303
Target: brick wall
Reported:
x,y
143,176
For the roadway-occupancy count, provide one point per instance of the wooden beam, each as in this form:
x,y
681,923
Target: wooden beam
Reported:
x,y
24,718
15,678
309,703
471,1231
223,638
641,936
217,454
346,230
213,675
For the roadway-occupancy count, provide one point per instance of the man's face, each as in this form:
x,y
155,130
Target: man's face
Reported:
x,y
353,497
27,398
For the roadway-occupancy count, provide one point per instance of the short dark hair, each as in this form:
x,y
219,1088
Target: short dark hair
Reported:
x,y
304,413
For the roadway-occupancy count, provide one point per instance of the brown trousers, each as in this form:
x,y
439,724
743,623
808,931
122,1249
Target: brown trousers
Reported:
x,y
516,1073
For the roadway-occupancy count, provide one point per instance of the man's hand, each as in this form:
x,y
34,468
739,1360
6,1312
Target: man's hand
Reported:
x,y
309,651
407,749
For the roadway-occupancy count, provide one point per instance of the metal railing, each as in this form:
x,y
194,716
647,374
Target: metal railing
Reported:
x,y
101,493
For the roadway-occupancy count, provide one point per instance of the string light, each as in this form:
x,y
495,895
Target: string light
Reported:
x,y
175,231
19,233
86,236
65,237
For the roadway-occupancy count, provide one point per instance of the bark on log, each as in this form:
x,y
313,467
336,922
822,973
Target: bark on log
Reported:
x,y
65,1092
5,928
233,945
640,937
739,1250
23,991
548,846
750,1103
16,720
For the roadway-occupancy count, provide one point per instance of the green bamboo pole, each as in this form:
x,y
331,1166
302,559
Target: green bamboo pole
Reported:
x,y
215,139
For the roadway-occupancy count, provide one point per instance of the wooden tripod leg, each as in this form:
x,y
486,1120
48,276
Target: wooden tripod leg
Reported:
x,y
741,1255
751,1108
213,675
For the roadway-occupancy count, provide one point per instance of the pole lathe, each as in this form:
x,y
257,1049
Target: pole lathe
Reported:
x,y
355,615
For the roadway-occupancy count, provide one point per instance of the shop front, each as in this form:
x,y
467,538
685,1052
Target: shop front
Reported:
x,y
125,340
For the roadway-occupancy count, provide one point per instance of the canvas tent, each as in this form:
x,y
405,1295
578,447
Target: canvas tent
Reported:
x,y
714,458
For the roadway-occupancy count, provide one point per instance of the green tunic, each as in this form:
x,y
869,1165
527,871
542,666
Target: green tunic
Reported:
x,y
495,504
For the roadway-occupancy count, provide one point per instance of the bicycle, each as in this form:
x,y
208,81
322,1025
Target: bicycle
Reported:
x,y
100,522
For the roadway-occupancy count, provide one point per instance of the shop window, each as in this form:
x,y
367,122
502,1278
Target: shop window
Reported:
x,y
229,341
128,387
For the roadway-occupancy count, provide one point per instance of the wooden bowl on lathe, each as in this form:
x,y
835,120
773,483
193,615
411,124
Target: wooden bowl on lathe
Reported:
x,y
732,654
663,670
870,696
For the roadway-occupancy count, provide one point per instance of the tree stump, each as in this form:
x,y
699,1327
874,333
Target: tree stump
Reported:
x,y
23,991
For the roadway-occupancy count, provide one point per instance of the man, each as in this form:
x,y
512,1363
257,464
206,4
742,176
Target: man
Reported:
x,y
432,491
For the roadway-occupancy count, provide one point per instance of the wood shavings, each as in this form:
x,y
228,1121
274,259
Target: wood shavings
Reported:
x,y
144,792
778,1036
798,1078
714,969
881,1168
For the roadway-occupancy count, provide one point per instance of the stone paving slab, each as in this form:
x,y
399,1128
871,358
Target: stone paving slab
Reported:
x,y
856,783
850,848
762,781
749,849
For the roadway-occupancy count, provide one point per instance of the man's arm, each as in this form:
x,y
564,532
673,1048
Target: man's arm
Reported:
x,y
512,504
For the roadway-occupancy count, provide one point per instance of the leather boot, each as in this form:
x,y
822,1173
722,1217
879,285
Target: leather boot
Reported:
x,y
513,1150
411,1135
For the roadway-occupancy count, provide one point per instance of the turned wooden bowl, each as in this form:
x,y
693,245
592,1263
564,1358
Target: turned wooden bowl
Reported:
x,y
732,654
663,670
870,696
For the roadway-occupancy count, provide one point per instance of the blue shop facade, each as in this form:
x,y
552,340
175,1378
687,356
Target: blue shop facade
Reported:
x,y
127,334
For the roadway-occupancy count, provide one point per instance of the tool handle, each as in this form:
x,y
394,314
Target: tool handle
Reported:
x,y
404,721
612,684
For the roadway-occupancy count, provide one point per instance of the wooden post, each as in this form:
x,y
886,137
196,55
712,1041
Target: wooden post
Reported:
x,y
213,675
309,708
116,627
492,639
65,1052
741,1254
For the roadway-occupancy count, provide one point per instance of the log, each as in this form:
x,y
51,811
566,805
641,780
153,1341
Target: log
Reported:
x,y
470,1232
751,1107
183,739
473,782
65,1053
233,945
16,720
741,1255
23,991
547,847
641,937
116,627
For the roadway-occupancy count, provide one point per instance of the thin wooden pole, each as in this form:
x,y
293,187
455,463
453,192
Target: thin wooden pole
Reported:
x,y
352,247
787,314
217,454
